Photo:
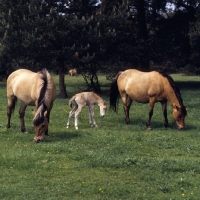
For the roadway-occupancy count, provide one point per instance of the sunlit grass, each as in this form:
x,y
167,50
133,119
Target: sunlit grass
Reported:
x,y
113,161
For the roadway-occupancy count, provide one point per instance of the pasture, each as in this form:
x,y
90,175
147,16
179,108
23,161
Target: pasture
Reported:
x,y
112,161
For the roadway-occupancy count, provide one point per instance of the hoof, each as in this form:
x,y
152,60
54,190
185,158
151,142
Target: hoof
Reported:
x,y
149,128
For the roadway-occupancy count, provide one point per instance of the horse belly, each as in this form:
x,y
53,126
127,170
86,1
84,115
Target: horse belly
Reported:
x,y
26,99
142,98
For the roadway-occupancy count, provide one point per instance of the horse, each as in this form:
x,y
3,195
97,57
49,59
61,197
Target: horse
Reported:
x,y
73,72
83,99
33,89
148,87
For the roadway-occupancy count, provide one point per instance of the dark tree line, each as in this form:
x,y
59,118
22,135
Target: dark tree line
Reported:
x,y
106,37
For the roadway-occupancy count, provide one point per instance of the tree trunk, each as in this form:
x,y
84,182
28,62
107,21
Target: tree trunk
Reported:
x,y
63,92
142,26
143,34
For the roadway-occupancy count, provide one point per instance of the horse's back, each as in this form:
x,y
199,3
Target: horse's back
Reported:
x,y
86,98
140,86
21,80
25,85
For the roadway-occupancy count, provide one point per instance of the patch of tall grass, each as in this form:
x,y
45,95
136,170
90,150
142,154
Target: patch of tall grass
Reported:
x,y
112,161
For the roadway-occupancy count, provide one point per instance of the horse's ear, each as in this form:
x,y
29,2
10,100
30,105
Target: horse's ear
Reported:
x,y
33,112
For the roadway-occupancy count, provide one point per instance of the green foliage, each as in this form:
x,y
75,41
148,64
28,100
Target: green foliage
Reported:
x,y
95,38
113,161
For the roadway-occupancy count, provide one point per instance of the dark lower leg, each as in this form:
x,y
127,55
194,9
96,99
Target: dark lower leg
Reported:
x,y
21,116
8,122
149,120
166,124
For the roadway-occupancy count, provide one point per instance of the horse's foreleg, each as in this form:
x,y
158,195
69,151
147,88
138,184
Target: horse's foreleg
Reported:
x,y
151,104
164,110
21,116
91,116
70,115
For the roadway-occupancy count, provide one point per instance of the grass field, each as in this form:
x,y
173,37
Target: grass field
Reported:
x,y
112,162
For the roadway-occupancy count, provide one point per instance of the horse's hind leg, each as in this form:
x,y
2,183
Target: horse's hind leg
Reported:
x,y
11,106
71,114
21,116
76,116
127,101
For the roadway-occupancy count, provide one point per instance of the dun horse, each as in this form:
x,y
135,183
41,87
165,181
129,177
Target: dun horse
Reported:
x,y
148,87
89,99
73,72
34,89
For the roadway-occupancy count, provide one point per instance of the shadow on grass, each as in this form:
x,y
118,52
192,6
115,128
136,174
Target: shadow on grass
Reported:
x,y
59,136
157,125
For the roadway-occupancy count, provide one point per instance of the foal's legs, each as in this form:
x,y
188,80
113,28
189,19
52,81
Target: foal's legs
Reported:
x,y
71,114
77,112
21,116
91,116
164,110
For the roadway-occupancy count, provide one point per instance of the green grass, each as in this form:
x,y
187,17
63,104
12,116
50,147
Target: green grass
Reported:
x,y
114,161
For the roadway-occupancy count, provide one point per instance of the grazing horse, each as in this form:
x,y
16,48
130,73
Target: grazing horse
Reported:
x,y
73,72
89,99
148,87
34,89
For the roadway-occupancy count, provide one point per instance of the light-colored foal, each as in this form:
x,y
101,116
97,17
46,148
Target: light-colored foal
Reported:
x,y
83,99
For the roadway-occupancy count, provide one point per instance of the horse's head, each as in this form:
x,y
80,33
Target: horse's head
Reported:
x,y
179,114
103,108
41,127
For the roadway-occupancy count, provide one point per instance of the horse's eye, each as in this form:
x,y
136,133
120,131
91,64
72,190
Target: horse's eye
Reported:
x,y
42,125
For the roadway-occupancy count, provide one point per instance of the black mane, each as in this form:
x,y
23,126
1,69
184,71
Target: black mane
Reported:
x,y
39,118
175,88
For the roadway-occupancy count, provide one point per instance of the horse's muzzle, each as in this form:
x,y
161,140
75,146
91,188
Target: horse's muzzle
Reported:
x,y
181,128
38,140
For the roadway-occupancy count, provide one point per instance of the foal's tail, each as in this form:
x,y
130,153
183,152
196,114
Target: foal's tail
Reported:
x,y
71,101
114,93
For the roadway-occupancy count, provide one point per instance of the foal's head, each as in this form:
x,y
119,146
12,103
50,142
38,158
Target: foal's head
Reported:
x,y
103,108
179,114
41,127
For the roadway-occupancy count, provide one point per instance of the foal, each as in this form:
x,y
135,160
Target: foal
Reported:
x,y
89,99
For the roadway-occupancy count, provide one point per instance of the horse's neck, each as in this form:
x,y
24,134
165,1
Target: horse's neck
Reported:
x,y
172,98
99,102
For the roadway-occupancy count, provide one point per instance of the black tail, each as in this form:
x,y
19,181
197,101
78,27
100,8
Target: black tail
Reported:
x,y
114,93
